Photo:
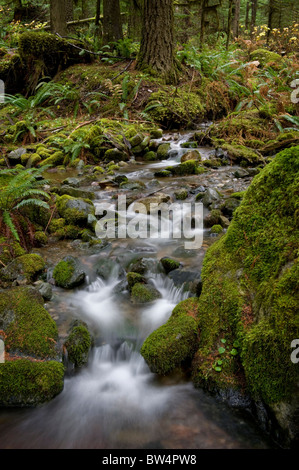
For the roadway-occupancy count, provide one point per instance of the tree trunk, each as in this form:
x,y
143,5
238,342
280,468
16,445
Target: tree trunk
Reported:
x,y
112,23
248,6
98,13
135,19
157,50
69,4
270,17
229,22
236,18
202,21
58,17
253,16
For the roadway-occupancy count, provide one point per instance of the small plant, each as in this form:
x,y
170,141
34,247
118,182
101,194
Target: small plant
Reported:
x,y
19,189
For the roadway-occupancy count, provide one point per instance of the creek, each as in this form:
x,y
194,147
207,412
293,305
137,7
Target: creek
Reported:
x,y
115,402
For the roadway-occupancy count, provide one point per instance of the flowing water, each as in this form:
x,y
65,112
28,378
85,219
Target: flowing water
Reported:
x,y
115,402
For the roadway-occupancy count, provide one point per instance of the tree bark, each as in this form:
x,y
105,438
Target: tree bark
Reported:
x,y
157,50
58,17
236,17
98,13
69,4
135,19
253,16
112,23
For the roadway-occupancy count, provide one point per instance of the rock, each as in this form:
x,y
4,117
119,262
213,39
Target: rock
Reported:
x,y
74,182
78,345
171,345
157,198
24,268
181,194
142,293
134,278
68,273
162,174
107,268
74,210
136,140
15,156
213,218
211,195
169,264
115,155
45,289
156,134
75,192
229,206
241,173
162,152
187,278
138,266
120,179
191,155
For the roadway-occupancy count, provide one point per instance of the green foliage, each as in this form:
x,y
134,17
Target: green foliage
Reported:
x,y
21,189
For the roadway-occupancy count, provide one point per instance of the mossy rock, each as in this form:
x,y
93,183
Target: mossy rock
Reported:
x,y
177,109
169,264
190,167
24,383
216,229
250,293
28,327
54,160
162,152
78,345
74,210
26,267
10,249
68,273
266,57
142,293
191,155
174,343
241,154
134,278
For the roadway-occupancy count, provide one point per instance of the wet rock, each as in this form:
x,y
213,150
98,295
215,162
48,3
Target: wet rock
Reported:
x,y
241,173
75,192
23,269
211,195
138,266
74,182
162,152
115,155
74,210
158,198
68,273
229,206
142,293
191,155
169,264
46,291
181,194
213,218
78,345
162,174
107,268
134,278
187,278
15,156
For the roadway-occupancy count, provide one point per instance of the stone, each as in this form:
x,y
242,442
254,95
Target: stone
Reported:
x,y
15,155
211,195
46,291
241,173
68,273
191,155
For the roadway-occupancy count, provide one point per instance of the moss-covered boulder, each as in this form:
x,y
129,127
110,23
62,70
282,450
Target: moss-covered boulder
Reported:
x,y
190,167
134,278
24,268
68,273
27,383
29,329
174,343
169,264
143,293
264,56
250,296
74,210
78,345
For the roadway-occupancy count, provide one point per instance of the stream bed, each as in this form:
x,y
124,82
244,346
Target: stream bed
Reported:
x,y
115,402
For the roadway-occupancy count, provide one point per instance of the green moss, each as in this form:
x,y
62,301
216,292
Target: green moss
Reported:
x,y
74,210
142,293
62,273
175,109
78,345
162,152
26,383
134,278
240,153
53,161
174,343
169,264
190,167
266,57
217,229
10,249
250,295
29,328
27,266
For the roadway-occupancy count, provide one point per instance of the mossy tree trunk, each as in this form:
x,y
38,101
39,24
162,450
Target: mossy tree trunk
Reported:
x,y
58,17
157,43
236,17
135,19
112,23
